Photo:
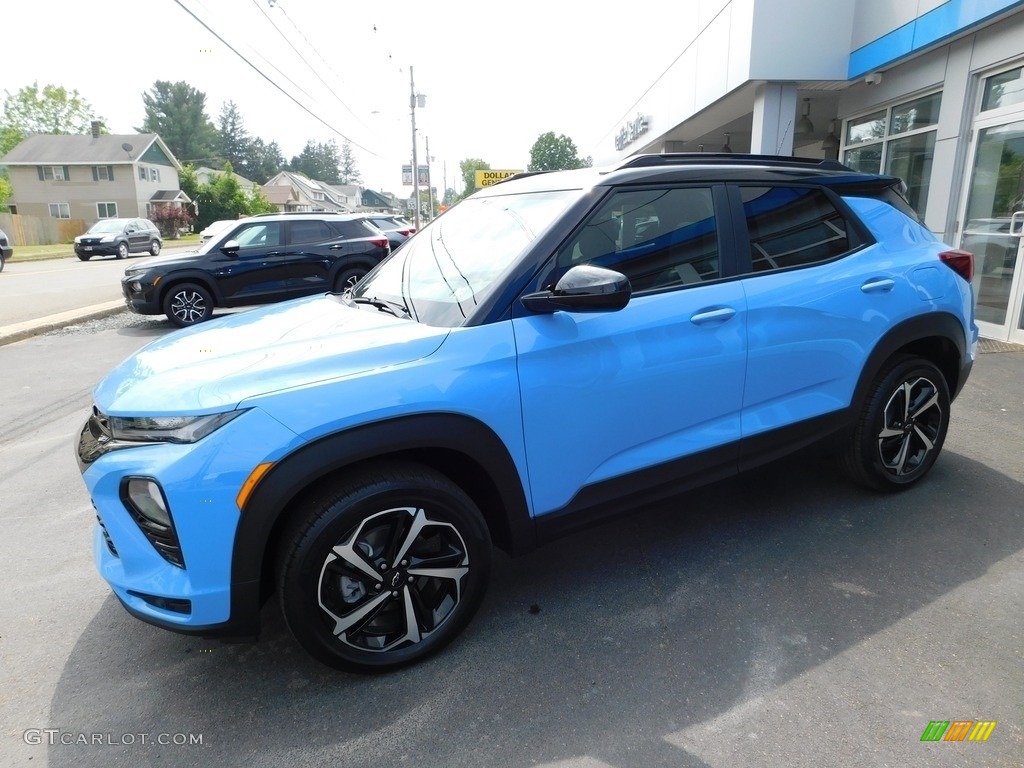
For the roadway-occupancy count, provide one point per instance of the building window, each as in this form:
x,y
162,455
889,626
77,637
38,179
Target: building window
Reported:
x,y
318,195
60,210
106,210
1003,90
102,173
899,141
154,174
53,173
143,173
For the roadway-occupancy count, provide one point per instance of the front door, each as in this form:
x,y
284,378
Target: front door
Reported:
x,y
993,219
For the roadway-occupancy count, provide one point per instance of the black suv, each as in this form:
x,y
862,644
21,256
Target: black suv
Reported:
x,y
262,259
119,237
6,251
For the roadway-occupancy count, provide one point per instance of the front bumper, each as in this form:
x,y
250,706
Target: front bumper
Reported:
x,y
200,481
96,249
143,301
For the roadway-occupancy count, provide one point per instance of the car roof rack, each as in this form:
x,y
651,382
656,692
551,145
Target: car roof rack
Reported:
x,y
300,213
729,158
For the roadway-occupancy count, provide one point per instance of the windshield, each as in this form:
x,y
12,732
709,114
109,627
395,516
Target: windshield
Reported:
x,y
442,274
107,225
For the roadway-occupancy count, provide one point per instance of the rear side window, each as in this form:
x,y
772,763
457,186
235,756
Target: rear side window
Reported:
x,y
658,238
309,232
793,226
355,228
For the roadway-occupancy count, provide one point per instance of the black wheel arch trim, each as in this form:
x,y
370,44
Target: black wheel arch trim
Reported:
x,y
192,276
459,446
937,336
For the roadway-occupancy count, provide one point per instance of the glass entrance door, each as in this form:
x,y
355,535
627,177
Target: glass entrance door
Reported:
x,y
994,223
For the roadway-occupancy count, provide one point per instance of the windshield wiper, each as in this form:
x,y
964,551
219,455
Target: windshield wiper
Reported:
x,y
396,309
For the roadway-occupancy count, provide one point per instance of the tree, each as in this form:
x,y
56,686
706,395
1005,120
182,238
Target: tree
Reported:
x,y
469,167
235,145
554,153
224,198
53,110
177,112
319,161
6,191
264,160
349,173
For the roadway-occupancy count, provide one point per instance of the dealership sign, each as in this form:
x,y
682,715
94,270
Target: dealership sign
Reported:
x,y
631,131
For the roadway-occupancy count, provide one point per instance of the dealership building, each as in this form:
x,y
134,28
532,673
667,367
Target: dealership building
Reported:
x,y
930,91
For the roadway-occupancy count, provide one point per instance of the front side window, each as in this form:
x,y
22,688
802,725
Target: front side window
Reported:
x,y
658,238
106,210
898,141
792,226
259,235
60,210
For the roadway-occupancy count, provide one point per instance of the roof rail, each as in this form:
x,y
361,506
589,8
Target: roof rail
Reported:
x,y
299,213
728,158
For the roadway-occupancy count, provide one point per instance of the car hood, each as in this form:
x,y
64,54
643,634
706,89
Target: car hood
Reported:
x,y
174,259
216,365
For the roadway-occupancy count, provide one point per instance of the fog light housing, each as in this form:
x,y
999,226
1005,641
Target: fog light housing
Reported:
x,y
145,501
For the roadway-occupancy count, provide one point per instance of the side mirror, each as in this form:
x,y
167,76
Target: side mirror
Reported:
x,y
584,288
230,248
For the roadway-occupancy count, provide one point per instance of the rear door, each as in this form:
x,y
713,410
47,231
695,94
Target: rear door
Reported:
x,y
818,299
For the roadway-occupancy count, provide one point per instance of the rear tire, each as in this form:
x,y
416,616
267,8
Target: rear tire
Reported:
x,y
154,248
122,251
187,304
383,568
901,428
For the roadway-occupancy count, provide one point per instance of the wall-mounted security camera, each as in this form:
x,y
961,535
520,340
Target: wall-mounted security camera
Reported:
x,y
873,79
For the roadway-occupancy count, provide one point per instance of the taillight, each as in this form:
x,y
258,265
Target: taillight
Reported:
x,y
408,232
380,242
961,262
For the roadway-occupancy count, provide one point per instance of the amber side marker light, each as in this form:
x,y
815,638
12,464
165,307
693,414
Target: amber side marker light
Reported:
x,y
251,482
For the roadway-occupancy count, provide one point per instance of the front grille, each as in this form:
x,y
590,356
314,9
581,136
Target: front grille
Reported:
x,y
106,537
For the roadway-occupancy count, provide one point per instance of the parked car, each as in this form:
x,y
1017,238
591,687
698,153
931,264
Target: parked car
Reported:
x,y
6,250
215,228
392,224
119,238
259,260
530,362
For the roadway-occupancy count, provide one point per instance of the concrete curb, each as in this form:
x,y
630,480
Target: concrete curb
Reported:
x,y
25,330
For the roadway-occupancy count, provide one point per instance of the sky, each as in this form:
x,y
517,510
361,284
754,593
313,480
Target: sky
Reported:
x,y
494,76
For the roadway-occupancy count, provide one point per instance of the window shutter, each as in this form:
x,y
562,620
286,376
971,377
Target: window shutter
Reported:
x,y
95,174
67,173
110,173
40,169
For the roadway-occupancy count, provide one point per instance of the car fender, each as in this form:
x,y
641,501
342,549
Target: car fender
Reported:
x,y
459,446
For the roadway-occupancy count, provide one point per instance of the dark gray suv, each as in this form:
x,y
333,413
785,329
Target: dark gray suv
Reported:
x,y
118,238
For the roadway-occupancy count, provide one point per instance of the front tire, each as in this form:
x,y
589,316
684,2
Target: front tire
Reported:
x,y
383,568
122,251
187,304
83,257
902,427
347,278
154,248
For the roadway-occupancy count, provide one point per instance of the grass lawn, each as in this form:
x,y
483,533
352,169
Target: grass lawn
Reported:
x,y
64,250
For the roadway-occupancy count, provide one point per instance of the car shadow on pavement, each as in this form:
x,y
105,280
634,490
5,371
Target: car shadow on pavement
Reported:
x,y
590,652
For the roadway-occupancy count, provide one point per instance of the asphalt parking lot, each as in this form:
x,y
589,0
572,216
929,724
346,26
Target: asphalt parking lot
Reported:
x,y
787,618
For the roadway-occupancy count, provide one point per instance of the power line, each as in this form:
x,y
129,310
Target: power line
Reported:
x,y
305,61
262,74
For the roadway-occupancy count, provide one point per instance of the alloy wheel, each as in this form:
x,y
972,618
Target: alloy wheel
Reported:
x,y
912,423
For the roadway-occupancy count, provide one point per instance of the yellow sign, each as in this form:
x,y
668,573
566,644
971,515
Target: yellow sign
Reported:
x,y
486,178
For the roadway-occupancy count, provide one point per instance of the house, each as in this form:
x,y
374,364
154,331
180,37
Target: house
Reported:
x,y
290,191
206,175
92,177
380,202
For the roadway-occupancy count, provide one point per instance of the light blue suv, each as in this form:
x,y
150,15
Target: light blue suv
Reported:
x,y
555,349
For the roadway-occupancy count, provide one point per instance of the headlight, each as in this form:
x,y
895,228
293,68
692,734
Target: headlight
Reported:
x,y
108,239
78,239
168,429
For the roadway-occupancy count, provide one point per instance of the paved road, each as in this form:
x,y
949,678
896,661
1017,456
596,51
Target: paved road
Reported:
x,y
786,619
33,290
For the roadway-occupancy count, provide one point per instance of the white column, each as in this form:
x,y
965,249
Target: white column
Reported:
x,y
774,119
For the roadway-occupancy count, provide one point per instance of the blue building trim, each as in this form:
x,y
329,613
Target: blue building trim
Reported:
x,y
942,22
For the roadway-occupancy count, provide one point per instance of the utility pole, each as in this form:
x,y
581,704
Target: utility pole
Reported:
x,y
415,165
